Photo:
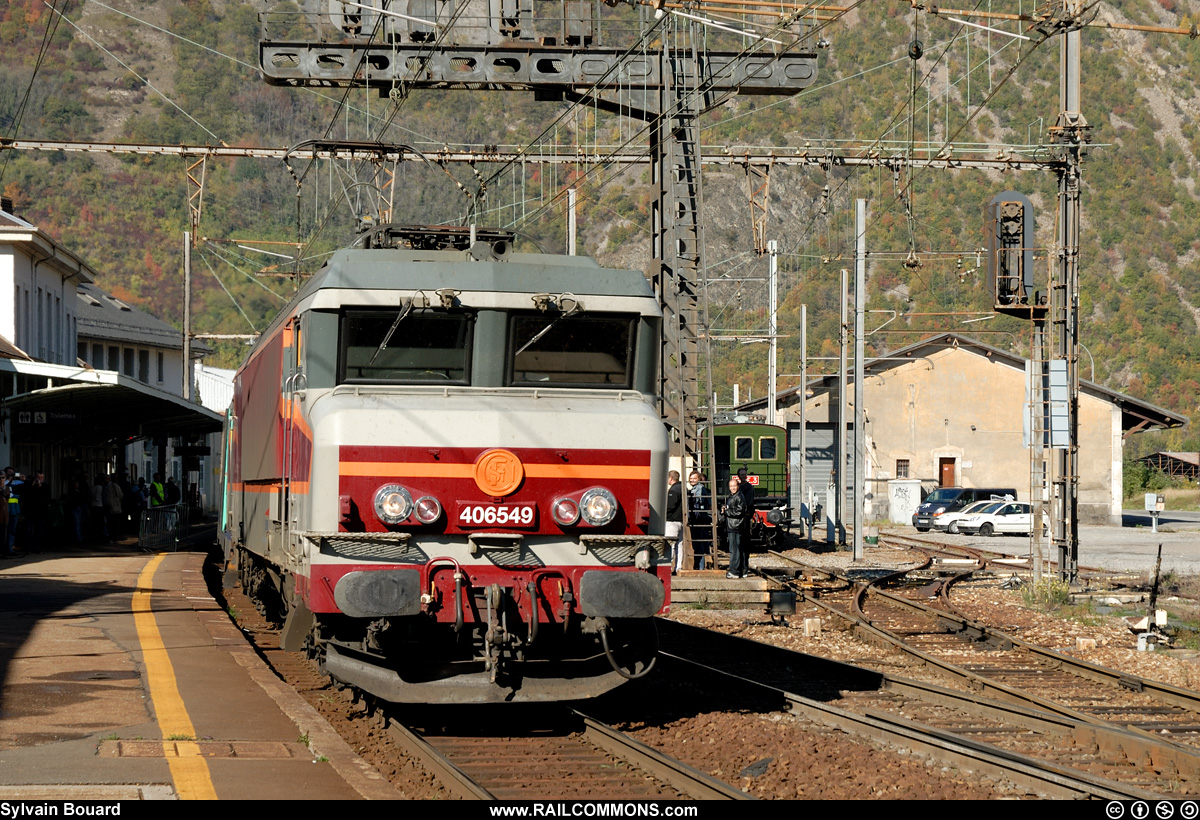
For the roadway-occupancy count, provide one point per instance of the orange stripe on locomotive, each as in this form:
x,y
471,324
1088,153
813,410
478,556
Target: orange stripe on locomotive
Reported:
x,y
448,475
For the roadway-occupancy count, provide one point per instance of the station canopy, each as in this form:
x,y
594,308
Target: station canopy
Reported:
x,y
63,404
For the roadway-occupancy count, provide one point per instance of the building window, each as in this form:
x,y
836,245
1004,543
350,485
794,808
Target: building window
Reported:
x,y
902,468
97,356
114,358
129,362
144,366
161,368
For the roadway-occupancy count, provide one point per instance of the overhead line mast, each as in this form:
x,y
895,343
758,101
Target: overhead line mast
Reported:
x,y
667,83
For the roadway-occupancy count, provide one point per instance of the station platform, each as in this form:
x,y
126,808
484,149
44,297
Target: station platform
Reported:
x,y
123,679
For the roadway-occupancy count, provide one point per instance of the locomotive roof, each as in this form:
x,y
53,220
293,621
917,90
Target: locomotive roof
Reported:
x,y
380,269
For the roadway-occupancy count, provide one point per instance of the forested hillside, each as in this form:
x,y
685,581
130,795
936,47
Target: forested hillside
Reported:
x,y
175,72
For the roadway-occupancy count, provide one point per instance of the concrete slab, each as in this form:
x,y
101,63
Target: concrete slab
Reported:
x,y
78,719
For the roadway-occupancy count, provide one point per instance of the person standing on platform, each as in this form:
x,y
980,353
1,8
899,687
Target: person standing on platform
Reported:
x,y
37,512
99,522
4,492
699,518
16,486
157,491
113,507
78,499
673,529
737,523
746,488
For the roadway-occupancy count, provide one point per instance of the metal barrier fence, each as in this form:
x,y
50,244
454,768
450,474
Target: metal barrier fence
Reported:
x,y
161,526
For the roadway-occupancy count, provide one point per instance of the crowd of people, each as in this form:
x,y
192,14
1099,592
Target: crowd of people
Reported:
x,y
734,520
105,510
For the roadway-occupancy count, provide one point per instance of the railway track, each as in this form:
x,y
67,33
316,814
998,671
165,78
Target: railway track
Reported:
x,y
1046,754
543,754
1004,666
1049,754
916,621
1003,561
580,758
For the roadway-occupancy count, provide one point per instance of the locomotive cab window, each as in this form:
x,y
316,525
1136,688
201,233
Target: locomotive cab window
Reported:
x,y
564,350
389,346
743,448
767,448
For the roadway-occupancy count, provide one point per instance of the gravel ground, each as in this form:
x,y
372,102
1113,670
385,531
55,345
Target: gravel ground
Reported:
x,y
986,602
770,755
774,755
777,756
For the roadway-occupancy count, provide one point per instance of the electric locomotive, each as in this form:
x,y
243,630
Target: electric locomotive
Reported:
x,y
445,472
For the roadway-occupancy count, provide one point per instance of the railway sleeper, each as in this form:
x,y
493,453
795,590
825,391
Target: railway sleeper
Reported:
x,y
1114,747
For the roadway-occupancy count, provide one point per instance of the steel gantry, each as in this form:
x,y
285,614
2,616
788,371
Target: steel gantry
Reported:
x,y
659,70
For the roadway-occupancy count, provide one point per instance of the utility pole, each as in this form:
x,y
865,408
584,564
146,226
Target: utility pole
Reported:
x,y
571,195
772,329
187,315
803,443
1071,135
860,432
839,471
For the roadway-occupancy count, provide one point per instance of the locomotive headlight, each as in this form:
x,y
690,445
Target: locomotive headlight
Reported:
x,y
565,511
428,509
393,504
598,506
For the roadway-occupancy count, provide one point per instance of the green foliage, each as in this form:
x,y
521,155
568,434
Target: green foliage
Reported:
x,y
1046,595
1139,478
1140,258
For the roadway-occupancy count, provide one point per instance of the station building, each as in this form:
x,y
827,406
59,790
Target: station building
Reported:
x,y
949,411
88,384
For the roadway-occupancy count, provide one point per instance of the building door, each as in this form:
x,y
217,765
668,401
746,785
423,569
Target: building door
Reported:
x,y
946,472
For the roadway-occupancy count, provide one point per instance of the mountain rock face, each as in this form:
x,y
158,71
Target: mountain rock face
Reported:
x,y
173,72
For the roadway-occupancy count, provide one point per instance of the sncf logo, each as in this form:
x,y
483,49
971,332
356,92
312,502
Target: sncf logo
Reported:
x,y
498,473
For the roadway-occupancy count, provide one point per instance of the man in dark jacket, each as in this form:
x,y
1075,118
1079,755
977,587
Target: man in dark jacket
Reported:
x,y
674,523
746,488
737,525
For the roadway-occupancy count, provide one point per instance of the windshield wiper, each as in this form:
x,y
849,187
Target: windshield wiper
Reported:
x,y
574,310
405,309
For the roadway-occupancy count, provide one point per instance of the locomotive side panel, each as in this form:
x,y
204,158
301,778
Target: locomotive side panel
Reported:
x,y
257,404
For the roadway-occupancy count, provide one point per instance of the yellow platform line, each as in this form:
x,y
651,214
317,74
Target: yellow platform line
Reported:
x,y
189,769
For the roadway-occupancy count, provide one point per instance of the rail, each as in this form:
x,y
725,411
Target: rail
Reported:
x,y
959,742
463,785
160,527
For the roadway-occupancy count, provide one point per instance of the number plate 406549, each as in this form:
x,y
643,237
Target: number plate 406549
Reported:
x,y
496,515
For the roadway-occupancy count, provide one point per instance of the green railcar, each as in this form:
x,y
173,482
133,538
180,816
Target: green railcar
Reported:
x,y
762,450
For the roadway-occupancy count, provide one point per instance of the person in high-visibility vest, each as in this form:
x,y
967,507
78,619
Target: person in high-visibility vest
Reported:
x,y
16,483
157,491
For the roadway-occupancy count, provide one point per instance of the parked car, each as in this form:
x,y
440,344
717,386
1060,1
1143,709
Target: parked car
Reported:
x,y
948,522
1004,519
953,499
